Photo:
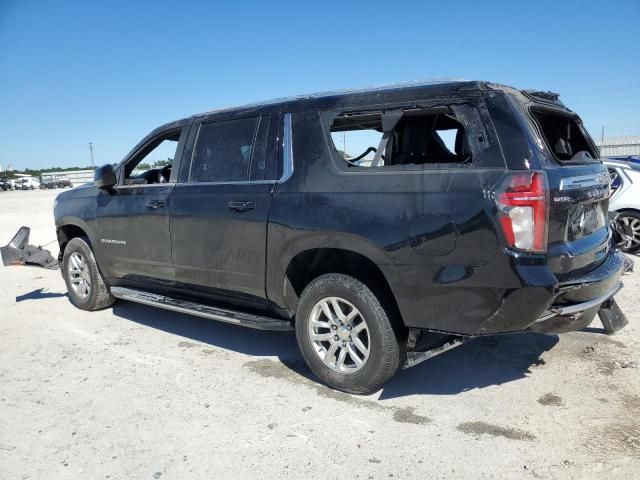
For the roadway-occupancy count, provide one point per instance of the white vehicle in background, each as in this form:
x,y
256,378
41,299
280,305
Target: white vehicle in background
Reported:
x,y
625,201
27,183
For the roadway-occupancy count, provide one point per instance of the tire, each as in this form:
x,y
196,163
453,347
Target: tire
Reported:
x,y
629,222
85,284
378,336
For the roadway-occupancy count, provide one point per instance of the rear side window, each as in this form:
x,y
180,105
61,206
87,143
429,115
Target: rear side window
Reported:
x,y
223,151
564,136
415,137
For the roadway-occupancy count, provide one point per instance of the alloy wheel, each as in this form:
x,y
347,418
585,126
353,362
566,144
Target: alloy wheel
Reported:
x,y
339,335
628,232
79,275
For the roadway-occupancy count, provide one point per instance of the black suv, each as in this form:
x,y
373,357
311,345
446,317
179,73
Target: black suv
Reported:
x,y
383,225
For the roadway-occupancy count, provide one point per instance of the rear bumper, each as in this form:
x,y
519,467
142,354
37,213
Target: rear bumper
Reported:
x,y
568,318
545,306
580,307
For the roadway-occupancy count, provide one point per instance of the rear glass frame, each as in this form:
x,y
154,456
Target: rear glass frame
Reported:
x,y
532,110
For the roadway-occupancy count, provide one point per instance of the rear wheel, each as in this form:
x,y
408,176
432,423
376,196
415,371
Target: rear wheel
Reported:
x,y
86,287
627,233
345,335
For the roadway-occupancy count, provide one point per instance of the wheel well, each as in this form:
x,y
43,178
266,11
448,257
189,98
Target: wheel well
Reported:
x,y
310,264
65,234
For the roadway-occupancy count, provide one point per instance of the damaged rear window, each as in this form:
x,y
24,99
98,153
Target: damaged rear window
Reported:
x,y
564,136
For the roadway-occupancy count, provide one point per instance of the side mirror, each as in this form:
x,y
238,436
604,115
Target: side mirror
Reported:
x,y
105,177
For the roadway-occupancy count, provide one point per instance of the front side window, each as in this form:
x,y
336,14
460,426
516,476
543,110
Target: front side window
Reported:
x,y
415,137
153,163
224,150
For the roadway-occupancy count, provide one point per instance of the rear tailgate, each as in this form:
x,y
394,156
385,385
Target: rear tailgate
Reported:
x,y
578,232
579,190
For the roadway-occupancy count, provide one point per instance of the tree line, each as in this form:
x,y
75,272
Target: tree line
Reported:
x,y
37,172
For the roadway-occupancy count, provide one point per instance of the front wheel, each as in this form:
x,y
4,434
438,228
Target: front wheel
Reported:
x,y
345,335
86,287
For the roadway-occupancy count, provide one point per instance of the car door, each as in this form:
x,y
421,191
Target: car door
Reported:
x,y
133,217
220,206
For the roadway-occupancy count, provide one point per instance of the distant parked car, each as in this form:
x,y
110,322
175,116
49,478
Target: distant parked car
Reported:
x,y
47,184
27,183
625,201
7,184
54,182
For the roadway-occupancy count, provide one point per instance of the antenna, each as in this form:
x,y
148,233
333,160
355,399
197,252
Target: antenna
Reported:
x,y
93,162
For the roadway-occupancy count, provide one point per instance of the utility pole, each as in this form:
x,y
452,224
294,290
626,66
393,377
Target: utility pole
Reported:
x,y
602,136
93,163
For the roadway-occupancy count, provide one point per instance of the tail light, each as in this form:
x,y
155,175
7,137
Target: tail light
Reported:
x,y
522,201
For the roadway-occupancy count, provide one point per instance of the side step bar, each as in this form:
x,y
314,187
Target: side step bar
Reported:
x,y
201,310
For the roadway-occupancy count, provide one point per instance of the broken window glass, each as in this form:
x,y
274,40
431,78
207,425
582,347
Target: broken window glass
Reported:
x,y
564,136
410,137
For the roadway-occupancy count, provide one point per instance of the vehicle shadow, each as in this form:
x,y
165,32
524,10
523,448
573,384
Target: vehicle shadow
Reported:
x,y
477,364
38,294
210,332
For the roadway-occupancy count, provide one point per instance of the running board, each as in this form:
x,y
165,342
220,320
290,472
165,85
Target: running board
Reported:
x,y
200,310
414,358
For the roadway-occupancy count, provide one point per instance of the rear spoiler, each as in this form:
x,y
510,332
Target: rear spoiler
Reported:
x,y
544,97
19,252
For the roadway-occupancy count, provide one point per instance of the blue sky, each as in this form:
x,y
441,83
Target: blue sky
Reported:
x,y
108,72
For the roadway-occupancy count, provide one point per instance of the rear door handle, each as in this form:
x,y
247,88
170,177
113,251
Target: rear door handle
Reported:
x,y
242,206
155,204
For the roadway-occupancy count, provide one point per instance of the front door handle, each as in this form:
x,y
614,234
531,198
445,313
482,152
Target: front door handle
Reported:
x,y
242,206
155,204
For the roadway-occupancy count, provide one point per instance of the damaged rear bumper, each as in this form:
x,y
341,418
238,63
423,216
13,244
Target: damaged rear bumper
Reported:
x,y
543,305
568,318
579,301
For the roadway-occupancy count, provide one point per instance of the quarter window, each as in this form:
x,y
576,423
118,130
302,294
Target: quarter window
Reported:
x,y
224,150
